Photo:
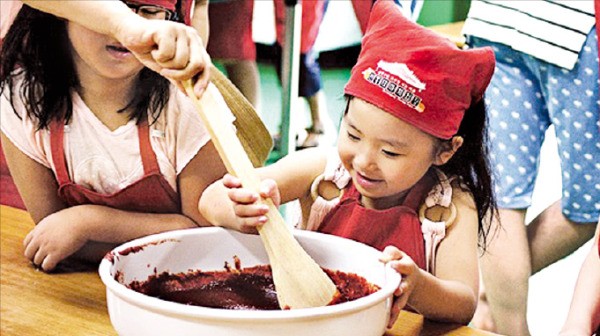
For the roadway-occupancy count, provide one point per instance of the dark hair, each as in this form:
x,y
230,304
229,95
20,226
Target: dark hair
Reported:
x,y
471,165
37,48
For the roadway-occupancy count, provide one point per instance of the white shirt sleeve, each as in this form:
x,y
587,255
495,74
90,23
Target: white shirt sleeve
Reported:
x,y
22,131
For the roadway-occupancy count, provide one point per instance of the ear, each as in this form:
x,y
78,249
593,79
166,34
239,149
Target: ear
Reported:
x,y
447,150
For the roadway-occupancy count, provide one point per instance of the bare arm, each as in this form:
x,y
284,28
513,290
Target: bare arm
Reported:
x,y
199,173
292,177
451,295
107,18
584,314
36,183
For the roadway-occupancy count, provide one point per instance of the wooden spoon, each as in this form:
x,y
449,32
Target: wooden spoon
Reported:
x,y
299,280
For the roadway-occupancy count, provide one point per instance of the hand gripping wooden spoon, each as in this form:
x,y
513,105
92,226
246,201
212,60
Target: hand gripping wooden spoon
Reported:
x,y
299,280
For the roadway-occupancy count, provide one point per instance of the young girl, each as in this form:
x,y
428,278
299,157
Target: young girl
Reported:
x,y
101,148
411,142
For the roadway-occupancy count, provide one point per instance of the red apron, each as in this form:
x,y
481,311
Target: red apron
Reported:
x,y
398,226
151,193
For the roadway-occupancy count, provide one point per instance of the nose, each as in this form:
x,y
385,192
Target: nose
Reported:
x,y
364,160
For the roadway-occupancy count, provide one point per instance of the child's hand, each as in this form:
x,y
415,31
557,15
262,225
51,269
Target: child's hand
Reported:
x,y
55,238
410,272
247,208
172,49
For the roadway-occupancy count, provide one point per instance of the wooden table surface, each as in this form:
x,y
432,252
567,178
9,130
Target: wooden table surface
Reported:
x,y
73,301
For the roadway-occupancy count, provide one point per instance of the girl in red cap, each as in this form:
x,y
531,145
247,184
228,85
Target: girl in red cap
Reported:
x,y
102,148
410,175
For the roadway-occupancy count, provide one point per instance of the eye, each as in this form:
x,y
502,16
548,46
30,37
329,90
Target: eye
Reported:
x,y
151,12
353,137
390,154
148,10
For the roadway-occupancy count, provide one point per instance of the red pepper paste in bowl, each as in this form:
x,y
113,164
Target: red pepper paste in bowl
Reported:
x,y
235,288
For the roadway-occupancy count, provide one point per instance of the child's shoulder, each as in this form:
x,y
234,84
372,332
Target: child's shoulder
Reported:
x,y
462,195
449,189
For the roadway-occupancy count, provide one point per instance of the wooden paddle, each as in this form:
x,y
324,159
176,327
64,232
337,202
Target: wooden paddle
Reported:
x,y
299,280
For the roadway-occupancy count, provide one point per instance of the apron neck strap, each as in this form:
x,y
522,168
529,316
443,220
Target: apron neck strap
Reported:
x,y
57,147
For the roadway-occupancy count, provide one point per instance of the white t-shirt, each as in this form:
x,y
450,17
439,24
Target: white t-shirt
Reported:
x,y
553,31
107,161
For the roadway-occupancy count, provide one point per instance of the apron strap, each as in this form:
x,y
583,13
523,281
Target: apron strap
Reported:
x,y
58,151
149,160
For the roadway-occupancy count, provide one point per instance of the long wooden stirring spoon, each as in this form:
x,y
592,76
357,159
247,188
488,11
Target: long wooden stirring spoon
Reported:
x,y
299,280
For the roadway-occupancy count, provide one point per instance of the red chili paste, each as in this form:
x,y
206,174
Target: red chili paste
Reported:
x,y
239,288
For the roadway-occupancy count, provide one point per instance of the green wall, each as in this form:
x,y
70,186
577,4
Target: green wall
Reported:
x,y
437,12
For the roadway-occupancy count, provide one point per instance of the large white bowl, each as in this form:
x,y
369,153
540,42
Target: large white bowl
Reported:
x,y
207,249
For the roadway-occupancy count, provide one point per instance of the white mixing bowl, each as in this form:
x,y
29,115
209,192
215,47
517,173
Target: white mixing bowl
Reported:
x,y
207,249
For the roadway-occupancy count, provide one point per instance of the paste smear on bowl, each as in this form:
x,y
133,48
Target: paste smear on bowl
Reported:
x,y
238,288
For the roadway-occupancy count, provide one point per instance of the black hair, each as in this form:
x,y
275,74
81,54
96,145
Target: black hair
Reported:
x,y
471,165
37,48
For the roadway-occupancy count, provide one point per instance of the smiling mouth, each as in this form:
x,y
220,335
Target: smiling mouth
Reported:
x,y
367,178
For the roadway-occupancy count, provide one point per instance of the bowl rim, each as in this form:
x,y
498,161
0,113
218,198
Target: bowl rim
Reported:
x,y
392,280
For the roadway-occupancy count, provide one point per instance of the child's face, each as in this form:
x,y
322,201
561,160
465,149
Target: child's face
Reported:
x,y
100,55
384,155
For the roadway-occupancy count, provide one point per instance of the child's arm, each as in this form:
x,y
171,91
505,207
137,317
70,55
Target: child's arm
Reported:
x,y
174,50
100,16
584,314
450,294
226,203
89,231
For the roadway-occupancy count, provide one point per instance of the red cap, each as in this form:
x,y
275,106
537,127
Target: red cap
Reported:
x,y
417,75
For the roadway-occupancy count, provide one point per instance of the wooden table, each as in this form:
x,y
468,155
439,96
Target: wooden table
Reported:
x,y
73,302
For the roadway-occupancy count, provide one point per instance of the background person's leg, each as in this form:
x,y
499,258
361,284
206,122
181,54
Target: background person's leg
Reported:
x,y
322,131
573,107
518,120
230,43
505,269
552,237
244,75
